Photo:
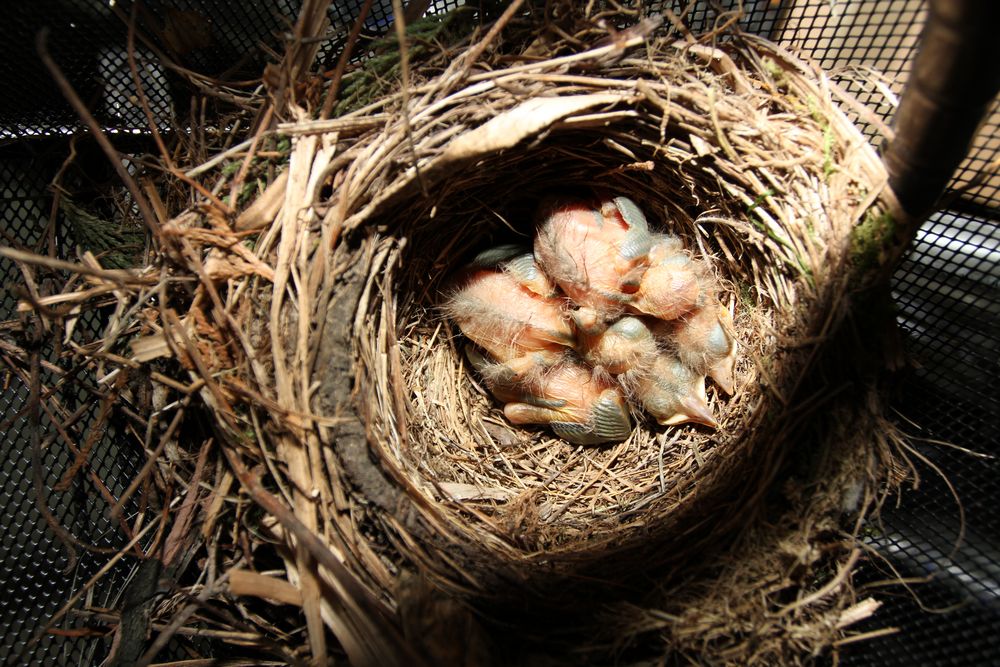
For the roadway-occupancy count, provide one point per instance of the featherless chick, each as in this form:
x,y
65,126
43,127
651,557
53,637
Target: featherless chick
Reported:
x,y
596,252
601,310
670,391
499,310
704,341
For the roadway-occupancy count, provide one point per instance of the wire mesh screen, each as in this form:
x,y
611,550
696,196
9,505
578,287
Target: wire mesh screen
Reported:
x,y
57,532
947,292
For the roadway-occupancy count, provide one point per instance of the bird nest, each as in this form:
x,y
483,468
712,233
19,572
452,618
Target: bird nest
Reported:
x,y
741,152
315,333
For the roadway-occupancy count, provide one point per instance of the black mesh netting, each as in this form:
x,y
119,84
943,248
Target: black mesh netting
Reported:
x,y
37,573
947,291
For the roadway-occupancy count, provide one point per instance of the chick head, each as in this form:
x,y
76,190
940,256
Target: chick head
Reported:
x,y
671,392
596,252
705,341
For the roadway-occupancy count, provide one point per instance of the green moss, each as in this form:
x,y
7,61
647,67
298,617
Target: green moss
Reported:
x,y
747,295
807,272
829,143
282,145
250,188
870,238
811,228
829,138
776,72
813,104
799,264
760,199
871,531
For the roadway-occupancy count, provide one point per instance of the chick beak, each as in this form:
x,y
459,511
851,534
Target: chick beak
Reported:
x,y
722,374
692,410
693,407
723,370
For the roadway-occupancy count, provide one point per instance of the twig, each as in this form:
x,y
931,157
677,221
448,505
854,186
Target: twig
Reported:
x,y
102,140
181,530
88,443
241,175
345,56
151,461
842,576
90,583
34,420
473,54
404,63
222,157
865,636
121,277
230,635
368,611
141,93
178,621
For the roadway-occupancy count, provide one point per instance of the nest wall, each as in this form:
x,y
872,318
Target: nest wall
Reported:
x,y
741,152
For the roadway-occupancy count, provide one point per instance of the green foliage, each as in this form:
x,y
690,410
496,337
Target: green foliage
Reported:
x,y
381,71
829,143
747,295
117,246
760,199
800,264
776,72
231,167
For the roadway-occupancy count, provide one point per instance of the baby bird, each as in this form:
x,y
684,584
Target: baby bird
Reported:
x,y
671,392
596,253
704,341
628,343
577,407
673,284
522,330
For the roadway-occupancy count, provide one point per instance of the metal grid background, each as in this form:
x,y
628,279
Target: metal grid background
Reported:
x,y
947,292
36,576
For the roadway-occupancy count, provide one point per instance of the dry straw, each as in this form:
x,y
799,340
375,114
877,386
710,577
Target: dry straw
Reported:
x,y
308,323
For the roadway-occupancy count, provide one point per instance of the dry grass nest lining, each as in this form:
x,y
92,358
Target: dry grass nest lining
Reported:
x,y
741,152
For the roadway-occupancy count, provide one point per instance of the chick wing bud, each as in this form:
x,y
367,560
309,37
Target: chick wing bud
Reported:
x,y
577,406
